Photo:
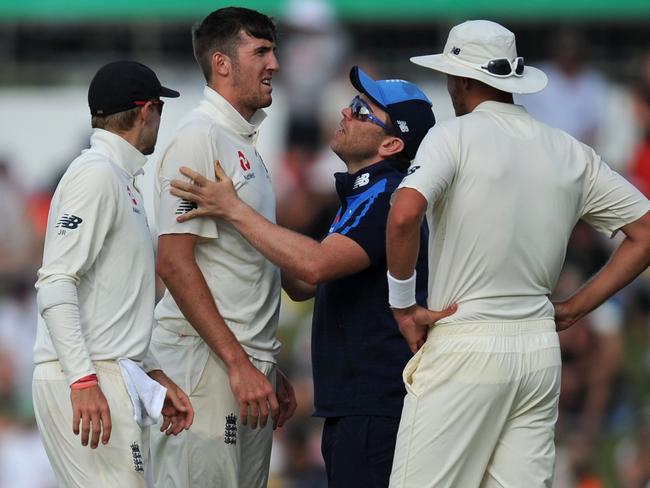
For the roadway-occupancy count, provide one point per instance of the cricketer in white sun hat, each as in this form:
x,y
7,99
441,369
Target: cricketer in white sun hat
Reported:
x,y
487,52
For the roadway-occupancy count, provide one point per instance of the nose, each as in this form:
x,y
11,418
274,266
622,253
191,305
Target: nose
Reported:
x,y
273,62
347,113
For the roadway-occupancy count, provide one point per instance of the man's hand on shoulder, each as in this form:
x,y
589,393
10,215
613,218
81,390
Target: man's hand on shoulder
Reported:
x,y
216,199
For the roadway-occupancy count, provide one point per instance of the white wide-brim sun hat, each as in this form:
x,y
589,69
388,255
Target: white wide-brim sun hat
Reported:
x,y
469,48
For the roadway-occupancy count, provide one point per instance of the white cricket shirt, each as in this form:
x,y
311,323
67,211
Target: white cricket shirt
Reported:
x,y
244,284
504,192
98,238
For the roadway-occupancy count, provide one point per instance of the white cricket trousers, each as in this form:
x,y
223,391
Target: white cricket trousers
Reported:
x,y
121,463
480,408
217,451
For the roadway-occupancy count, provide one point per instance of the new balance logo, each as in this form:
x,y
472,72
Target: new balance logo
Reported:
x,y
362,180
69,221
185,206
230,430
138,463
403,126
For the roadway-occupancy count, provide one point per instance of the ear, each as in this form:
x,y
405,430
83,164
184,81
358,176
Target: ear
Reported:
x,y
221,64
390,146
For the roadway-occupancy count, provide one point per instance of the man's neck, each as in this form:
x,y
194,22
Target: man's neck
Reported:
x,y
230,95
356,166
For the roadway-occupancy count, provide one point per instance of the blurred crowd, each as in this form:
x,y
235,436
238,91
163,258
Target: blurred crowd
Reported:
x,y
603,434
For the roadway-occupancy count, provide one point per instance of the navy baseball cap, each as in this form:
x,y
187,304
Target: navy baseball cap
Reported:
x,y
407,106
117,87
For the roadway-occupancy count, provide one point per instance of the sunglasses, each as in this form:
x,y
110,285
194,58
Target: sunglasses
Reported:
x,y
157,102
362,111
503,67
498,67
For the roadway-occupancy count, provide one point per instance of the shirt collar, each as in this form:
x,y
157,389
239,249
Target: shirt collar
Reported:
x,y
223,112
345,182
118,150
501,107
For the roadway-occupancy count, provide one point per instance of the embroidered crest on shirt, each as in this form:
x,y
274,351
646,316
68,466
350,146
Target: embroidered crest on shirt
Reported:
x,y
362,180
68,222
185,206
245,165
230,430
138,463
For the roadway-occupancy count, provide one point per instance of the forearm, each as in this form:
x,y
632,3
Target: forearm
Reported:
x,y
630,259
297,290
298,255
402,246
192,295
59,307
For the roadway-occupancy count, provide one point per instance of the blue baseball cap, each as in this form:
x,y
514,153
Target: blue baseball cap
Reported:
x,y
407,106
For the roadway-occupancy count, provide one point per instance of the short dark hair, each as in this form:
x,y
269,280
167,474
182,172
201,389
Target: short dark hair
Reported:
x,y
120,121
220,32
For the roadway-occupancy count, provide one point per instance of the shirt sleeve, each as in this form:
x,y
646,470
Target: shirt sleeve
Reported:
x,y
434,166
194,149
83,213
610,200
365,220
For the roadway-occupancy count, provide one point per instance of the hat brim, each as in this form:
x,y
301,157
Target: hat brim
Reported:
x,y
366,85
532,81
168,92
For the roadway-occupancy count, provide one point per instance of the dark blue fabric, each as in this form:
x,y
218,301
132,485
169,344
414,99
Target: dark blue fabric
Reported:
x,y
358,450
358,353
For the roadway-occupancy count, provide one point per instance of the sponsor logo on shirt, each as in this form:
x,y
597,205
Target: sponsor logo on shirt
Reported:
x,y
245,165
362,180
69,221
230,429
412,170
138,464
134,202
185,206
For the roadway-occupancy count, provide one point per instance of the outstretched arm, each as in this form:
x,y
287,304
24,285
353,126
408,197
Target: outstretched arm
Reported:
x,y
299,256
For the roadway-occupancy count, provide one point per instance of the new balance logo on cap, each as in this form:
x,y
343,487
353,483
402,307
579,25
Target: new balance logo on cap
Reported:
x,y
69,221
185,206
403,126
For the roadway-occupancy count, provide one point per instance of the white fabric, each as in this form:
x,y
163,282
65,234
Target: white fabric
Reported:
x,y
121,463
147,395
471,45
504,193
98,237
245,285
401,293
481,406
58,304
217,449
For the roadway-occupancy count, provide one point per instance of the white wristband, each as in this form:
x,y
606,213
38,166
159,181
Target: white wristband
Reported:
x,y
401,293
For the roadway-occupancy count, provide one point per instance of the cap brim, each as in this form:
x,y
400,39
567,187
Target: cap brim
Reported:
x,y
366,85
168,92
532,81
